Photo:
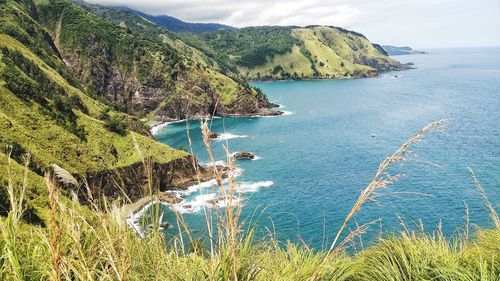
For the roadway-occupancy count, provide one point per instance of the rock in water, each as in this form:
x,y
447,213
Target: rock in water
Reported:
x,y
164,225
213,136
170,198
244,155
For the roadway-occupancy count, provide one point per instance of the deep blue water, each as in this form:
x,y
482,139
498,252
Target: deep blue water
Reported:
x,y
322,156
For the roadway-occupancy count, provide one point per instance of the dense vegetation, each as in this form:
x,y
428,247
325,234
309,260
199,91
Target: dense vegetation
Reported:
x,y
134,65
292,52
24,78
47,112
251,46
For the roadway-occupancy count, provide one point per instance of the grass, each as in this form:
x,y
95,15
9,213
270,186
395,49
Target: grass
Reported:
x,y
332,53
293,62
26,125
333,64
78,244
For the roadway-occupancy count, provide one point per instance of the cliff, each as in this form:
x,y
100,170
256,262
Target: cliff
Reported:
x,y
139,74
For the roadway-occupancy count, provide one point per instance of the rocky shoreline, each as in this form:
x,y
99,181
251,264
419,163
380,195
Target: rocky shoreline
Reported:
x,y
375,74
172,195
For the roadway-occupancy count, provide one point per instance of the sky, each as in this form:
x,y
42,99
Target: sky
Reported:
x,y
416,23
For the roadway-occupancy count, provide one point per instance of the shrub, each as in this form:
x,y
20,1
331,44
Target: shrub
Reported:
x,y
117,125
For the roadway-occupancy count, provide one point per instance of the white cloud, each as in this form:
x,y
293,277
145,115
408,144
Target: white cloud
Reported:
x,y
418,23
249,13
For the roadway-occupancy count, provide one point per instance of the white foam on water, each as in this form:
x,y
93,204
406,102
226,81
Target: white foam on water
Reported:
x,y
206,184
228,136
246,187
156,129
391,76
199,202
216,163
134,220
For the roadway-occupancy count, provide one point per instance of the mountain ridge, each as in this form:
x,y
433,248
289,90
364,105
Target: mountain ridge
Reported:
x,y
265,52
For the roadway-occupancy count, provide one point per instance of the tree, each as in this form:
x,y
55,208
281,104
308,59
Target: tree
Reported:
x,y
117,125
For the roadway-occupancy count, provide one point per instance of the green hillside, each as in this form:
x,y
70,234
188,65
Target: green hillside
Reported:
x,y
127,63
48,112
274,52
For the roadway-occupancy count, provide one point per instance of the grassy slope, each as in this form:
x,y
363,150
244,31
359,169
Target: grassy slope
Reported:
x,y
331,58
292,52
26,124
49,143
334,54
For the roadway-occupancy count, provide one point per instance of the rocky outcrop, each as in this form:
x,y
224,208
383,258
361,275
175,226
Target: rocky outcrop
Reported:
x,y
200,98
213,136
244,155
381,65
132,181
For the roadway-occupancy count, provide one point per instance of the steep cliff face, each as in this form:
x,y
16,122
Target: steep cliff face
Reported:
x,y
141,75
139,180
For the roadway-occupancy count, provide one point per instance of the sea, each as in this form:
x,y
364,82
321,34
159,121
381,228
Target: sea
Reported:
x,y
313,162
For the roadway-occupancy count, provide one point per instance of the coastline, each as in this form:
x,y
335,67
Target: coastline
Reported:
x,y
408,66
155,129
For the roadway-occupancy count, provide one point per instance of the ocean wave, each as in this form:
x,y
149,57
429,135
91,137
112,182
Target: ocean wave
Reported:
x,y
211,200
216,163
156,129
207,184
228,136
134,221
198,202
391,76
246,187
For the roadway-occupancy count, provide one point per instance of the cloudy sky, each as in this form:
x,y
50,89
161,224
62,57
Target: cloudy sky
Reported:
x,y
418,23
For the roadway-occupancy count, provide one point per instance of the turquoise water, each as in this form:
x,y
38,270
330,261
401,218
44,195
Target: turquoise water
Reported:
x,y
320,157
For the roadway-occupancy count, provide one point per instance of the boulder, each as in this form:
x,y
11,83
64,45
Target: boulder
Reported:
x,y
244,155
170,198
213,136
